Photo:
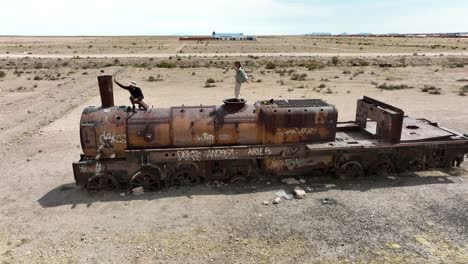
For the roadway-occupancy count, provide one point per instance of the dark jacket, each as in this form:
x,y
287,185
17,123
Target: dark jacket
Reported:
x,y
134,91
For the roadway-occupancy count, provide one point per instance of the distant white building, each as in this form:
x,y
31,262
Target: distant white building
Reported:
x,y
232,36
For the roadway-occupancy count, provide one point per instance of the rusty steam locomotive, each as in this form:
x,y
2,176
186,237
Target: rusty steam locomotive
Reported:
x,y
183,145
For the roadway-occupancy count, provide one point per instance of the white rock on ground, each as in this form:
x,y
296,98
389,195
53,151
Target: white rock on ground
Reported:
x,y
266,203
299,193
277,200
290,181
138,191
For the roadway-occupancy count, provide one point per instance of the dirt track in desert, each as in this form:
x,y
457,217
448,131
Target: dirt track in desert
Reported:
x,y
404,218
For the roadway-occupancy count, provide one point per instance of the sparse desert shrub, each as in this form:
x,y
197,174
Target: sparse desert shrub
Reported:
x,y
346,72
299,76
427,88
386,86
328,91
165,64
259,80
2,74
359,62
270,66
374,83
463,90
430,89
281,82
462,80
37,78
335,60
158,78
314,66
322,85
209,85
290,89
281,72
193,73
210,80
85,73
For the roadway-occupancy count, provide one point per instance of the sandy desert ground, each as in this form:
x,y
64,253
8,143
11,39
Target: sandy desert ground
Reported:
x,y
405,218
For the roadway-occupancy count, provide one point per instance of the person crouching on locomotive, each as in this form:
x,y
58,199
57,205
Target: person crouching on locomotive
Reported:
x,y
136,95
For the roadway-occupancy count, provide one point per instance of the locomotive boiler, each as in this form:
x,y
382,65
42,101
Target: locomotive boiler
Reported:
x,y
183,145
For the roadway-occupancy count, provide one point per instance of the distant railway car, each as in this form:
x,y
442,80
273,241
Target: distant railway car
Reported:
x,y
183,145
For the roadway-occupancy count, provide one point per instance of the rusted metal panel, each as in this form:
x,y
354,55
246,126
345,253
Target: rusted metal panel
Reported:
x,y
109,126
236,126
193,126
149,129
289,121
417,129
221,153
301,163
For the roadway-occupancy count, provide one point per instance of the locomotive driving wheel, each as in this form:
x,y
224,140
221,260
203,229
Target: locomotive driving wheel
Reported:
x,y
415,165
185,175
150,180
350,170
102,182
383,167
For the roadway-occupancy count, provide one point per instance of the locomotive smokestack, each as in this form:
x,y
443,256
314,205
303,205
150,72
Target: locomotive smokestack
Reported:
x,y
106,90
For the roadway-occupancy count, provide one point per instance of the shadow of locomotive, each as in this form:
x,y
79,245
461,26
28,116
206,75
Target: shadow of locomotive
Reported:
x,y
71,194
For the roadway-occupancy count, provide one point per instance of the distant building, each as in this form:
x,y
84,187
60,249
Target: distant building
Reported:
x,y
233,36
221,36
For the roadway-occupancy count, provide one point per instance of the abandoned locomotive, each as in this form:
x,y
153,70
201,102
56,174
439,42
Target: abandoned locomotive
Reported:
x,y
184,145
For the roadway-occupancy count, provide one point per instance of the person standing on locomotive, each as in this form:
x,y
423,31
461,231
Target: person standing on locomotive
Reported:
x,y
240,76
136,95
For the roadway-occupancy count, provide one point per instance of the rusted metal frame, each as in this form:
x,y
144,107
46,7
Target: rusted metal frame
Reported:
x,y
84,169
459,144
220,153
389,119
382,104
453,150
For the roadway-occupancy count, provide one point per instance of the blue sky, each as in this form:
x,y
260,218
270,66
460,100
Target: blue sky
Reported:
x,y
259,17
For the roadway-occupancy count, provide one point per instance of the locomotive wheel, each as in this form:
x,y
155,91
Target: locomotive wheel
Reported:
x,y
383,167
185,175
456,162
350,170
415,165
238,180
102,182
149,180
